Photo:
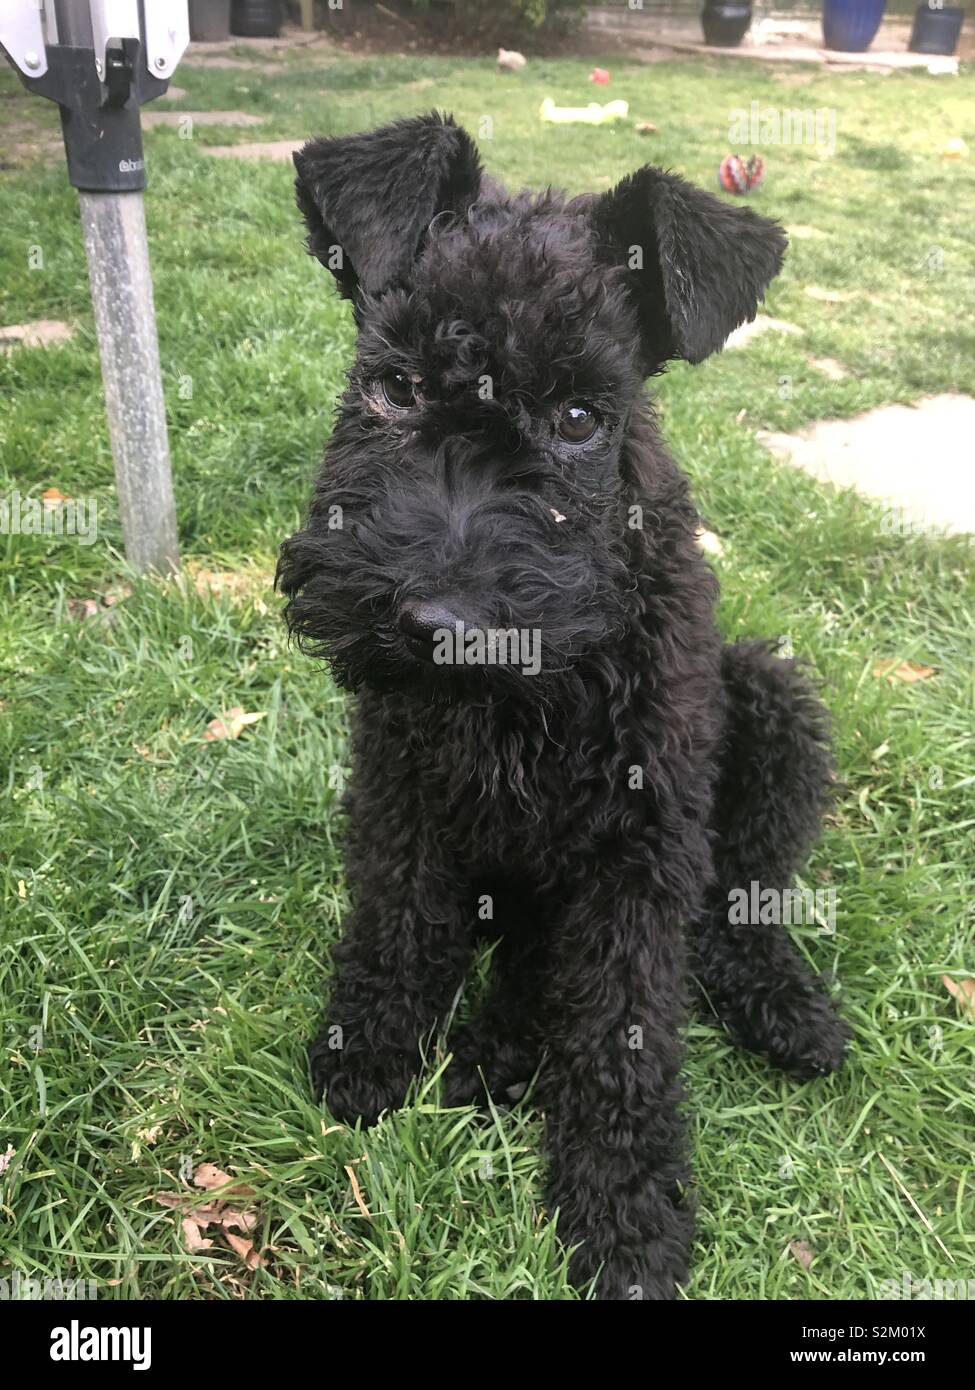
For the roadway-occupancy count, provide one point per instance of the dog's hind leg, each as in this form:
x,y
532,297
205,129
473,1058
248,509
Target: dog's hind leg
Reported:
x,y
772,790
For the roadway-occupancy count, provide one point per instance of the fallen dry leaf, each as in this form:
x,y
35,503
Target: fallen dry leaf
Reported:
x,y
231,725
210,1177
907,671
245,1249
5,1158
82,608
51,497
194,1237
963,991
357,1192
217,1214
800,1250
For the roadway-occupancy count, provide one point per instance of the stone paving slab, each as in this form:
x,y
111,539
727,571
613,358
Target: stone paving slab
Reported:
x,y
920,459
39,333
176,118
269,149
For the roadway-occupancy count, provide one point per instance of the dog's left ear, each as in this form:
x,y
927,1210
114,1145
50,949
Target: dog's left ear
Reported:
x,y
368,199
697,267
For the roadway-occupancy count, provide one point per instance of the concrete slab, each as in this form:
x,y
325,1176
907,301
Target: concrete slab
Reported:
x,y
829,367
919,459
179,118
270,149
39,333
760,324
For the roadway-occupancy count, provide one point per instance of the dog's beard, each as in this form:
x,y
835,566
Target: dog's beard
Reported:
x,y
537,601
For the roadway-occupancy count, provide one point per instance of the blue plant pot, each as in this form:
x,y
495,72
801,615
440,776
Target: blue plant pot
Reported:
x,y
850,25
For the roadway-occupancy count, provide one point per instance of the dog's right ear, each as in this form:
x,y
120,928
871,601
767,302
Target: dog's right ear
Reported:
x,y
368,199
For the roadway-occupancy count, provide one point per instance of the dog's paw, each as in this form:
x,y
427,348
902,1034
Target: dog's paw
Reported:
x,y
652,1277
801,1033
486,1066
352,1089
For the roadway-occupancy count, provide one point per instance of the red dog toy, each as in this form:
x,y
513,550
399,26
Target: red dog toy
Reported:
x,y
737,176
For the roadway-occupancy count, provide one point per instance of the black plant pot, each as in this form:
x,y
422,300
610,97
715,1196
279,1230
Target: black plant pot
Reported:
x,y
725,23
936,31
256,19
209,20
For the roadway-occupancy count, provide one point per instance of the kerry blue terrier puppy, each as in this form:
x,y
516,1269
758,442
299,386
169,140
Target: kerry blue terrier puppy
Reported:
x,y
551,745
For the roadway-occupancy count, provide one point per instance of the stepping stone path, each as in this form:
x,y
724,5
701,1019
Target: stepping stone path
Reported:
x,y
272,149
829,367
760,324
177,118
37,334
918,459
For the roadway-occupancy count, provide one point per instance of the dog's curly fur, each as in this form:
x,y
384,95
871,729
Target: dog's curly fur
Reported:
x,y
599,812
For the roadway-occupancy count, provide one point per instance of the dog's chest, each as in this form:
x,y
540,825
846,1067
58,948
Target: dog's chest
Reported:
x,y
510,793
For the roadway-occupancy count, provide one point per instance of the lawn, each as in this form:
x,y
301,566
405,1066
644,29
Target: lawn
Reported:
x,y
168,902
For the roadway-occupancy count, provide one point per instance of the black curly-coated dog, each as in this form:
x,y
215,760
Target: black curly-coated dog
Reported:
x,y
551,745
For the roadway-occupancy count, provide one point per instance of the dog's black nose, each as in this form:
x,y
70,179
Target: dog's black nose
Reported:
x,y
420,622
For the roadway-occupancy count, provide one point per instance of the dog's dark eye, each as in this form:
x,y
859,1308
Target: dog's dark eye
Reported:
x,y
398,390
578,422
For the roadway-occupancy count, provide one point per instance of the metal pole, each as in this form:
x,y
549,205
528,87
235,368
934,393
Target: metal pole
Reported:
x,y
121,291
114,228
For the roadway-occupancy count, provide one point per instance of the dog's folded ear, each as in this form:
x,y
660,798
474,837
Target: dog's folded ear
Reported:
x,y
368,199
697,267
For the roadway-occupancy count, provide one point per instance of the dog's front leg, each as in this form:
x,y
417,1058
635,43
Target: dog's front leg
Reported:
x,y
611,1088
397,969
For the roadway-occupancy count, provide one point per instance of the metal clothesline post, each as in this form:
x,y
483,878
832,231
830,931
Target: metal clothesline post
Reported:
x,y
100,61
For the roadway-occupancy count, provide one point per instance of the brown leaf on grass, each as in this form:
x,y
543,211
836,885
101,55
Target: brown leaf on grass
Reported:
x,y
51,497
907,671
357,1192
800,1250
245,1249
210,1177
82,608
963,991
193,1235
217,1214
231,725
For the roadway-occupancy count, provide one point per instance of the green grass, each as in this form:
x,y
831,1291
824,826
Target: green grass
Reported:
x,y
168,903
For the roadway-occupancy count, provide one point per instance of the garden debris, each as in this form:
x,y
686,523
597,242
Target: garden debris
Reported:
x,y
217,1215
357,1191
231,725
800,1250
6,1157
963,991
907,671
645,128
